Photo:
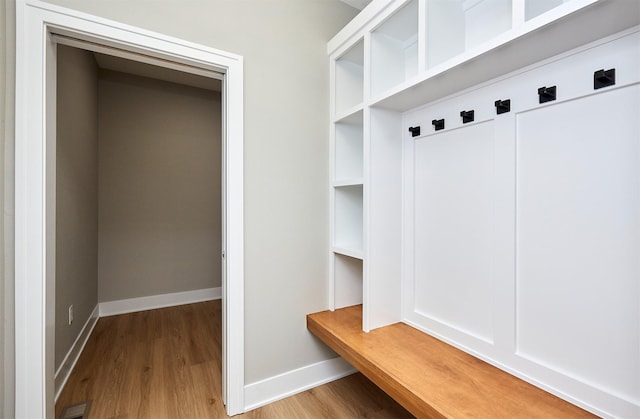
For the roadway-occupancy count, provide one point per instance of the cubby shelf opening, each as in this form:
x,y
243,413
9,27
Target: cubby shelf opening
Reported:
x,y
349,78
348,217
394,49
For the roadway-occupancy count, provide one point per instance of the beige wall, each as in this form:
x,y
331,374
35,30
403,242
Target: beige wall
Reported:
x,y
7,112
159,188
286,92
3,84
76,194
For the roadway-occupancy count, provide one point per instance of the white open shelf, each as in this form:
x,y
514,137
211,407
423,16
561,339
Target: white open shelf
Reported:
x,y
453,27
394,49
348,182
348,218
566,26
349,79
349,150
354,253
347,273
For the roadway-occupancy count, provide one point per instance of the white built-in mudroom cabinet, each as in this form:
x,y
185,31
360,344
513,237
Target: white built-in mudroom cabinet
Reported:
x,y
485,184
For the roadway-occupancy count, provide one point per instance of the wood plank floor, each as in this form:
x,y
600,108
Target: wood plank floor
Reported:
x,y
431,378
166,363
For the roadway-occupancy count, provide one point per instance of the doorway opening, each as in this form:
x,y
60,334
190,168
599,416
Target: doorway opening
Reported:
x,y
138,199
40,28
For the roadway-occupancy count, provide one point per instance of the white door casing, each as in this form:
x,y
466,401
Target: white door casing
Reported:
x,y
36,23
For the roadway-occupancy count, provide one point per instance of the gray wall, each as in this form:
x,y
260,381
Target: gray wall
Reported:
x,y
7,112
286,92
3,83
76,194
159,188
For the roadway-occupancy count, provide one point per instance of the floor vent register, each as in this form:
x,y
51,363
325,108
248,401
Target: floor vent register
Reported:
x,y
77,411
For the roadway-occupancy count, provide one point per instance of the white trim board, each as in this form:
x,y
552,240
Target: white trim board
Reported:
x,y
131,305
36,23
295,381
70,360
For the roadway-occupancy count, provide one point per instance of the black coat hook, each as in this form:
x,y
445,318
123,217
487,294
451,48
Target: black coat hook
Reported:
x,y
415,131
503,106
467,116
602,78
438,124
546,94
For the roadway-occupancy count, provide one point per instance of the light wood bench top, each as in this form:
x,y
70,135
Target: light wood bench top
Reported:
x,y
430,378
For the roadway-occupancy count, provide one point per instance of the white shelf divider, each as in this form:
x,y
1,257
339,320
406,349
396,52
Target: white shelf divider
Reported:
x,y
348,116
348,182
383,218
354,253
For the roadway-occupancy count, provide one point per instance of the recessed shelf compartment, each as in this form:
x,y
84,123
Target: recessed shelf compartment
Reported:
x,y
394,49
534,8
454,27
347,274
349,78
349,148
348,217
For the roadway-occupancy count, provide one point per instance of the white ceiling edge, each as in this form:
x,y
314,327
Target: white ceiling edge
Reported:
x,y
358,4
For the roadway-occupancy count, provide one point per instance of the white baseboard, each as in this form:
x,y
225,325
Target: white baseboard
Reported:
x,y
69,361
289,383
131,305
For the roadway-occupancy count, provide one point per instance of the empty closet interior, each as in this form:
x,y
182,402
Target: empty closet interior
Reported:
x,y
138,185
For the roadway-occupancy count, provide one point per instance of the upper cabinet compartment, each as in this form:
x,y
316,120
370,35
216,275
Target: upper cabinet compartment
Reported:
x,y
533,8
349,80
455,26
394,49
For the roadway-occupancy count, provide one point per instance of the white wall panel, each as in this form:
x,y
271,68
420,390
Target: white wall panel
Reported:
x,y
453,228
522,230
578,239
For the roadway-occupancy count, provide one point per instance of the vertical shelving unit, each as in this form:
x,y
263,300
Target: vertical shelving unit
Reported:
x,y
400,191
402,49
347,179
394,49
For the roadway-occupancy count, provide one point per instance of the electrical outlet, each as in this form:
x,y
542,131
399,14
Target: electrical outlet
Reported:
x,y
70,314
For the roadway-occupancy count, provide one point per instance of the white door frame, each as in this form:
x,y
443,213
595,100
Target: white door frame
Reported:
x,y
36,22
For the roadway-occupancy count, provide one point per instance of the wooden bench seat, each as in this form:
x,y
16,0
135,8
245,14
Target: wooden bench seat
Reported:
x,y
430,378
